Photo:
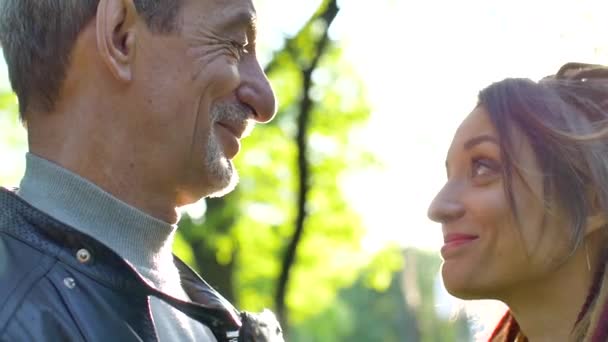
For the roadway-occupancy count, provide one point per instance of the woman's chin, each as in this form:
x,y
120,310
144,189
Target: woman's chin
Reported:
x,y
460,284
464,293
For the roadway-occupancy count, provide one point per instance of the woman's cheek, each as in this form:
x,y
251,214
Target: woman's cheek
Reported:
x,y
490,206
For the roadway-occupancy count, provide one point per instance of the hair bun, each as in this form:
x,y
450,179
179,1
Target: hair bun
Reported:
x,y
581,71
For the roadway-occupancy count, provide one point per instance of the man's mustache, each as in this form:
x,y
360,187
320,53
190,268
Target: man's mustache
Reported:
x,y
234,115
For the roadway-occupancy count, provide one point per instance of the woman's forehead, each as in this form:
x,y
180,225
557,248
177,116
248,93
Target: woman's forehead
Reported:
x,y
478,128
476,124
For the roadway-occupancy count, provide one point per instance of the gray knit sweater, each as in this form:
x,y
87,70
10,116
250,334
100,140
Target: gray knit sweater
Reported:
x,y
134,235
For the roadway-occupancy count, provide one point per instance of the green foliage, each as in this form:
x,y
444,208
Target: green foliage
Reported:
x,y
364,313
8,102
252,226
380,271
184,251
12,140
11,136
337,291
334,283
420,276
330,254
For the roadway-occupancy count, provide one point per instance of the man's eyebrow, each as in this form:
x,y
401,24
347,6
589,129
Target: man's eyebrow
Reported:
x,y
469,144
242,19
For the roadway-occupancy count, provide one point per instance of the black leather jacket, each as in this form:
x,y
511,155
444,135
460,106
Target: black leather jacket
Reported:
x,y
50,292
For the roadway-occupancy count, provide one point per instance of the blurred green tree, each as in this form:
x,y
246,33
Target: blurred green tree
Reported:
x,y
404,311
287,238
12,139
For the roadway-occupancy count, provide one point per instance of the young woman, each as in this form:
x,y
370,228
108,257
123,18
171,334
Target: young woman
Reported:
x,y
524,211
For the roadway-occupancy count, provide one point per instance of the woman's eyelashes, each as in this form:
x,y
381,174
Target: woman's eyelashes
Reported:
x,y
484,169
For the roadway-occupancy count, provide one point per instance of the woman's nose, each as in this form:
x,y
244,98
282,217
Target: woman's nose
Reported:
x,y
446,206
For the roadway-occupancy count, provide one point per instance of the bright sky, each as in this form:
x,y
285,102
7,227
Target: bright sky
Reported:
x,y
423,63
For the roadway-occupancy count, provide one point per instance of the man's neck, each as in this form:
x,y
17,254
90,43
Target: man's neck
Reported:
x,y
117,174
79,203
547,309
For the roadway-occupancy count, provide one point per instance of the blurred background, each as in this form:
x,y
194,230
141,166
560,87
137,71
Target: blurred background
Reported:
x,y
328,226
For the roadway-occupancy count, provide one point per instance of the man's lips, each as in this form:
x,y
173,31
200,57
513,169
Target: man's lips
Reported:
x,y
235,128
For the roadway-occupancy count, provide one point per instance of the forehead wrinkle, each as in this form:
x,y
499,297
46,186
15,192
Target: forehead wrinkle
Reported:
x,y
226,20
205,39
244,19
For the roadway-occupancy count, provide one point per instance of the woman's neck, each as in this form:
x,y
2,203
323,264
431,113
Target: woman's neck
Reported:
x,y
547,309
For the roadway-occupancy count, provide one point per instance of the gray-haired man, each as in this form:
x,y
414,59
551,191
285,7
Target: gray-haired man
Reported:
x,y
133,108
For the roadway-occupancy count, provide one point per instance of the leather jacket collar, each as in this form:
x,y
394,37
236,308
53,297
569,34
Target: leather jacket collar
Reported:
x,y
106,267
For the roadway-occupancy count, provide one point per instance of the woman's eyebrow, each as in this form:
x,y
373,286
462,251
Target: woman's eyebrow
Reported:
x,y
469,144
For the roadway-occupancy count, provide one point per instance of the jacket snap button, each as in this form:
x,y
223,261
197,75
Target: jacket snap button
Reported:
x,y
83,256
70,283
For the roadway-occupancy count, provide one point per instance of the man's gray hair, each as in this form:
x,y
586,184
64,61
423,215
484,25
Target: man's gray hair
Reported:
x,y
37,37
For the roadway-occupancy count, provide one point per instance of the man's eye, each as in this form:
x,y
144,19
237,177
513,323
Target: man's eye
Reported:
x,y
240,48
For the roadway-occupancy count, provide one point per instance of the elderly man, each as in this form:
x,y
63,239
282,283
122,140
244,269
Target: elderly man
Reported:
x,y
133,108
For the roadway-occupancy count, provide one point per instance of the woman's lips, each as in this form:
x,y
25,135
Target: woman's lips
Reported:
x,y
456,242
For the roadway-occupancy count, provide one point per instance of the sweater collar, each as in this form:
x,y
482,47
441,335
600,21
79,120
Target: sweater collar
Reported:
x,y
136,236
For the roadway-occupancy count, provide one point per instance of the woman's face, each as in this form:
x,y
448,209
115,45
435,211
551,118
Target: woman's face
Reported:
x,y
487,251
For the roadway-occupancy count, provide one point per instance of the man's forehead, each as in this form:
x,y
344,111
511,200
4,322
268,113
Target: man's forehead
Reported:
x,y
239,6
233,13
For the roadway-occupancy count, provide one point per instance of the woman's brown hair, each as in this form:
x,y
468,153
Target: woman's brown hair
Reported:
x,y
565,119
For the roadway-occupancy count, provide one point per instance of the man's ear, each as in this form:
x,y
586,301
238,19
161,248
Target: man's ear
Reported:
x,y
116,36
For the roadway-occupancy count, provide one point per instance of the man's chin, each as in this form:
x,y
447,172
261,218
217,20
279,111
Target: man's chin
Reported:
x,y
220,188
220,193
229,187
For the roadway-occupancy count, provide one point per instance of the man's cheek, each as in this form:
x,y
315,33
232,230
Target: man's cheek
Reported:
x,y
222,78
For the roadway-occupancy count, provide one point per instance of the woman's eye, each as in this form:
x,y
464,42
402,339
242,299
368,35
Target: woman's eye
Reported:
x,y
484,167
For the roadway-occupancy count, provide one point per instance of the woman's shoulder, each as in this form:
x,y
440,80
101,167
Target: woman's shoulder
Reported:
x,y
507,330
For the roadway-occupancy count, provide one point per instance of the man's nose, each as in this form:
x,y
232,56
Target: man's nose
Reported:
x,y
255,90
446,206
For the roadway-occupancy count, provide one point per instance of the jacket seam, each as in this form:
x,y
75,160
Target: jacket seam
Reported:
x,y
29,280
68,307
45,253
59,259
